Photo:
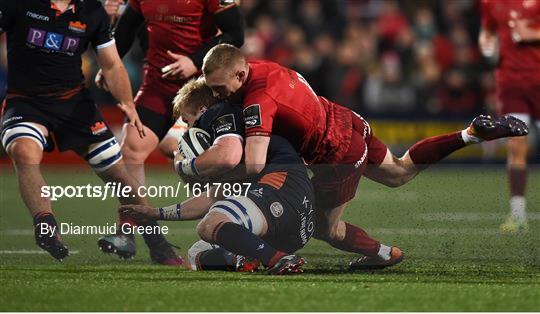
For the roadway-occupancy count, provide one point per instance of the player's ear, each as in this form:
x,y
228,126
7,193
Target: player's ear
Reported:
x,y
241,76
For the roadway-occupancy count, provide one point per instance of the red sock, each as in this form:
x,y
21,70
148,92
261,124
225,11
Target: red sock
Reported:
x,y
432,150
357,241
126,219
517,179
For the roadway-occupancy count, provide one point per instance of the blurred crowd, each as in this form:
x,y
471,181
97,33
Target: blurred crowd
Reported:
x,y
379,57
382,58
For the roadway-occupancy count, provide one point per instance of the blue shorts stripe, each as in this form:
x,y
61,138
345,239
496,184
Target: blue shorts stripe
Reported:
x,y
41,138
15,136
108,161
101,148
232,212
244,211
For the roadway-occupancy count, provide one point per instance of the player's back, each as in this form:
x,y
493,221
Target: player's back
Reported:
x,y
280,101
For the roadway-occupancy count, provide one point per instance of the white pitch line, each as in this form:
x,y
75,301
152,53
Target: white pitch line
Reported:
x,y
392,231
470,216
433,231
30,252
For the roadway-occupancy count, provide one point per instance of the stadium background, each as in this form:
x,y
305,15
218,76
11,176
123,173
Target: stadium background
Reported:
x,y
412,68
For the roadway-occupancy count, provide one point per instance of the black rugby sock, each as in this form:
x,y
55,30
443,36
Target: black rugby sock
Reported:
x,y
239,240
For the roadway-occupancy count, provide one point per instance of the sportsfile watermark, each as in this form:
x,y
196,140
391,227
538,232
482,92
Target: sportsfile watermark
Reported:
x,y
119,190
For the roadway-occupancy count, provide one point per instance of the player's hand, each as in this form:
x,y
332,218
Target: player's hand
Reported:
x,y
182,68
488,44
139,211
100,81
112,7
522,31
133,117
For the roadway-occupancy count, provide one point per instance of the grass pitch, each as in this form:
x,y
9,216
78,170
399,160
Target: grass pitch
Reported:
x,y
446,221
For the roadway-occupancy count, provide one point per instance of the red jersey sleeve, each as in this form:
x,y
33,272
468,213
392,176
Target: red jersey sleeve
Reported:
x,y
216,6
259,112
135,4
488,21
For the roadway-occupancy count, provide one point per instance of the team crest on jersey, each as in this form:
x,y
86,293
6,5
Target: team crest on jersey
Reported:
x,y
77,27
98,128
224,124
252,116
276,209
224,3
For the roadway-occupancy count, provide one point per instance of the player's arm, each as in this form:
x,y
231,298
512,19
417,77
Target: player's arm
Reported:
x,y
256,149
230,22
223,156
125,33
487,39
258,121
191,209
115,73
523,32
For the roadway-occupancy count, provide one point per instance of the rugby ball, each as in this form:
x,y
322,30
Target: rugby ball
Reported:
x,y
194,142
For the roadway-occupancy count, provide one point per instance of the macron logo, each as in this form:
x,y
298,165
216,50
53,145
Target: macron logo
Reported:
x,y
37,16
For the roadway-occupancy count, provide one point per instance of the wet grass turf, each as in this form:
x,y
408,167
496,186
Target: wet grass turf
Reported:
x,y
446,221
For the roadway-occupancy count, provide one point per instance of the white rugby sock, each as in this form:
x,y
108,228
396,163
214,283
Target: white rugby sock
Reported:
x,y
469,138
384,252
518,205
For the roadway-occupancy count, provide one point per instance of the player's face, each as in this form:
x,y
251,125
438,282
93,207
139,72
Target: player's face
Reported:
x,y
225,83
190,116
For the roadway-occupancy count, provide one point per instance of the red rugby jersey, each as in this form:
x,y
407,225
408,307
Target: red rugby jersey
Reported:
x,y
519,62
180,26
280,101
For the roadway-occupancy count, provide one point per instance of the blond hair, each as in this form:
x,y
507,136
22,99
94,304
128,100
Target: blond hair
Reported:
x,y
222,56
193,96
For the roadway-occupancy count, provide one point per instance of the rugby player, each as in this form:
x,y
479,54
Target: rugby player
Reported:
x,y
46,99
337,143
516,24
272,220
180,33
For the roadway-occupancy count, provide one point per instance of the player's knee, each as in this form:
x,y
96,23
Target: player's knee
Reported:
x,y
207,227
102,156
134,154
25,152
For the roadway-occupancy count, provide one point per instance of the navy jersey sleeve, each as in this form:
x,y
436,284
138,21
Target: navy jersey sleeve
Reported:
x,y
222,119
230,121
8,11
103,37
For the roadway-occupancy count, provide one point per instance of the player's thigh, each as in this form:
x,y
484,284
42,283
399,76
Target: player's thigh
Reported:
x,y
136,149
243,211
24,135
513,100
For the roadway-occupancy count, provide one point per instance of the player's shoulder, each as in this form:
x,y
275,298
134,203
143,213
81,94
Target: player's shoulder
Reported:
x,y
262,72
216,113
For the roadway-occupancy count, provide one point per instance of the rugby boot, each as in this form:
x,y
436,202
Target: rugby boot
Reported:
x,y
369,263
164,254
119,244
488,128
247,265
288,264
513,225
50,242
